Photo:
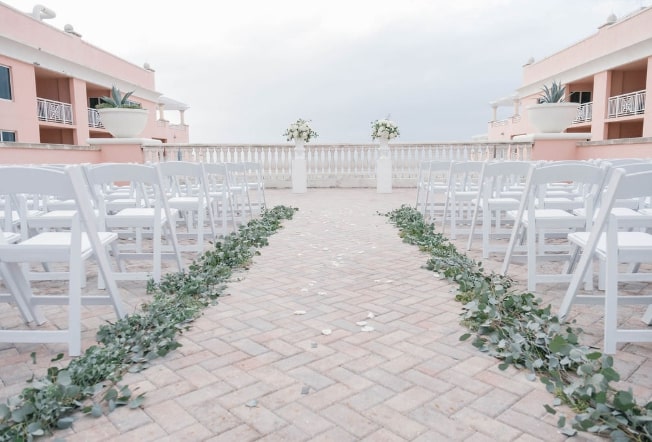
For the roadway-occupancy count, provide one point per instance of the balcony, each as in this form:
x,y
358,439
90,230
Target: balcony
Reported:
x,y
584,113
94,119
626,105
54,111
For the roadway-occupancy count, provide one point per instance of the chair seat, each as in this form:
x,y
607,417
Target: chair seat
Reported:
x,y
186,202
503,203
632,246
135,217
57,245
10,237
56,219
552,218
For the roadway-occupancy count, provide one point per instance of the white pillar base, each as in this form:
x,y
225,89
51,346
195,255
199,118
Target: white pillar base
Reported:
x,y
299,176
384,175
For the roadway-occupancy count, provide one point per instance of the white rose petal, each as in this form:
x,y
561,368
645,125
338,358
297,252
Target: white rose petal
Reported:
x,y
326,332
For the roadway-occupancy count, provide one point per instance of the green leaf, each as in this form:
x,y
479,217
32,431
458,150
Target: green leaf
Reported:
x,y
63,378
465,336
623,400
550,410
570,432
65,422
35,429
137,402
96,411
5,412
610,374
594,356
557,344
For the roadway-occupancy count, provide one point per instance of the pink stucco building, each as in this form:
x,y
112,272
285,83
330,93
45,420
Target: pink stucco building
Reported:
x,y
51,79
607,74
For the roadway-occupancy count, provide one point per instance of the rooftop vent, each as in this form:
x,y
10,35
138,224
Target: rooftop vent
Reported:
x,y
41,13
70,30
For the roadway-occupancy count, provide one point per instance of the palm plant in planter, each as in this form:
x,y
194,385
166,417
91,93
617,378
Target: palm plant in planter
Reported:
x,y
120,116
552,114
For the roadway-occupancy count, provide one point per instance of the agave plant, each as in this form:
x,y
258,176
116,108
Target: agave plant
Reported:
x,y
552,94
118,100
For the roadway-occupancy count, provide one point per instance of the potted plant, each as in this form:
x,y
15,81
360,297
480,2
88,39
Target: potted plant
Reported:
x,y
120,116
552,114
384,129
301,132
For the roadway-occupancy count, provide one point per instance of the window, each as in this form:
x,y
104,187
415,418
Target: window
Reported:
x,y
94,101
580,97
5,83
7,136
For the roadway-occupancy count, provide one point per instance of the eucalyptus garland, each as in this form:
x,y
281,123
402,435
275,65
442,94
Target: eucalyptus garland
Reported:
x,y
515,328
90,383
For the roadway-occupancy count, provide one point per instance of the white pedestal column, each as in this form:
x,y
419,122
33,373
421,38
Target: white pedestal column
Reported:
x,y
299,174
384,168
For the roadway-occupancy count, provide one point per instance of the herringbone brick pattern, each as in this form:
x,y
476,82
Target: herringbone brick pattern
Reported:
x,y
336,333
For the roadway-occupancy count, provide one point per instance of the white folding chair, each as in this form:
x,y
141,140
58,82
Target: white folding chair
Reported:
x,y
240,191
81,242
220,194
151,218
500,190
609,243
186,188
255,185
544,229
463,185
432,187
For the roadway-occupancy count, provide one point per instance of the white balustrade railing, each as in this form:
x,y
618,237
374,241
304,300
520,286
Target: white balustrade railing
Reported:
x,y
94,118
338,165
626,104
54,111
584,113
515,119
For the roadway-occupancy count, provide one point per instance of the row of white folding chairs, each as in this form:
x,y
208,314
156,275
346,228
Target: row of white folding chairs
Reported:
x,y
81,241
605,196
231,192
144,202
133,216
569,201
136,208
620,240
463,193
450,191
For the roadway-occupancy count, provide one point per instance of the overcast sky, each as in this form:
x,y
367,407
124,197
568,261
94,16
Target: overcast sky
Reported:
x,y
248,68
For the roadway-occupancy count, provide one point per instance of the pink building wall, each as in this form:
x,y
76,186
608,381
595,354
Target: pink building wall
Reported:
x,y
616,59
46,62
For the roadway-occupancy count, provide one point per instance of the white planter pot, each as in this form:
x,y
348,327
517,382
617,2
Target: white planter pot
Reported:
x,y
299,149
383,148
552,117
122,122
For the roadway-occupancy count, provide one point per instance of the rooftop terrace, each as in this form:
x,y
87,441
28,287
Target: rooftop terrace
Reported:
x,y
251,368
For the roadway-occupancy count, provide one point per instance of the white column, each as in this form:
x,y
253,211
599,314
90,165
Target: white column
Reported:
x,y
299,174
384,168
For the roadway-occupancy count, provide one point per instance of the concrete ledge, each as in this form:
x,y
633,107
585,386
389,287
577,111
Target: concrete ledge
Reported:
x,y
108,141
531,138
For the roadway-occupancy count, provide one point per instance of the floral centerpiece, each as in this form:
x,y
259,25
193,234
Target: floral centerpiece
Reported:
x,y
300,130
384,129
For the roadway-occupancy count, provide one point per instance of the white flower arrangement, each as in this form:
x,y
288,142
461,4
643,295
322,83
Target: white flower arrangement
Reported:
x,y
300,130
384,129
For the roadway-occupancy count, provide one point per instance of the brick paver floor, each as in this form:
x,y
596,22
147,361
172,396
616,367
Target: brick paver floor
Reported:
x,y
336,333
